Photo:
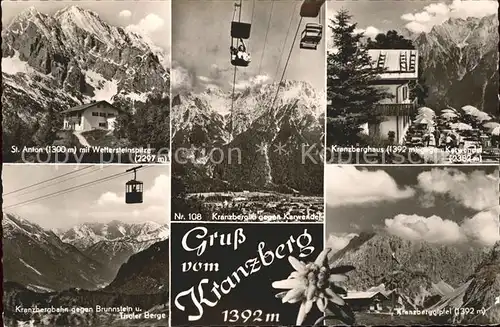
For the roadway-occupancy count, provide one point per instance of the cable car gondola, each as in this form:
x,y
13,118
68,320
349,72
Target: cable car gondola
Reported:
x,y
311,36
313,33
133,188
239,31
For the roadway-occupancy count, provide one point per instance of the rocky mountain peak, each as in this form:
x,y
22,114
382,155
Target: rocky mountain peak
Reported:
x,y
459,62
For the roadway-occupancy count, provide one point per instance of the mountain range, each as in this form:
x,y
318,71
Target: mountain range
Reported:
x,y
204,126
425,275
459,61
87,256
40,270
114,242
54,62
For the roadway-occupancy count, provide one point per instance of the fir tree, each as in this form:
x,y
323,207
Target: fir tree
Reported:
x,y
351,94
392,40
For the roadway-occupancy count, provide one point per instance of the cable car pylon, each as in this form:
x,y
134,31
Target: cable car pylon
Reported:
x,y
134,188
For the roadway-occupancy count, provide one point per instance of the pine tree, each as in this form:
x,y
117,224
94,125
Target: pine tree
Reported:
x,y
350,92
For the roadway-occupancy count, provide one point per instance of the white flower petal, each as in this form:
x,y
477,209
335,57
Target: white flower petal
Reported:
x,y
334,297
297,292
296,264
321,304
334,278
287,284
308,307
296,274
302,314
320,260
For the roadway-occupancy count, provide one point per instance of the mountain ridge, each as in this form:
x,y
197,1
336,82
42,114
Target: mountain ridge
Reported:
x,y
459,61
293,124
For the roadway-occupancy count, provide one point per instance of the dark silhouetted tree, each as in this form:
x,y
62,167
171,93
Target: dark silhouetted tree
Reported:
x,y
350,90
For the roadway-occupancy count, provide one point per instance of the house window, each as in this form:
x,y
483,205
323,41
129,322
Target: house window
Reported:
x,y
102,124
111,114
102,114
95,114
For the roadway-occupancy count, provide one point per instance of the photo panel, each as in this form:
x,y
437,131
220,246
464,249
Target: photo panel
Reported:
x,y
85,245
86,81
209,289
423,242
412,82
248,100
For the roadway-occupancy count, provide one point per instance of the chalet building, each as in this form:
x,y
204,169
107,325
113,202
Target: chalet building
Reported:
x,y
90,116
400,67
368,301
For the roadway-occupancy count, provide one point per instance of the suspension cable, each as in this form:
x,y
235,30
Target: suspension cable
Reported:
x,y
267,33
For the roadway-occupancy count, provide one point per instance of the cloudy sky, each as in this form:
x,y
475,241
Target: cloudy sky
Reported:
x,y
436,204
150,16
201,40
99,202
416,16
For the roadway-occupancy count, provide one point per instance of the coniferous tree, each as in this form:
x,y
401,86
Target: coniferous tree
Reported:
x,y
350,92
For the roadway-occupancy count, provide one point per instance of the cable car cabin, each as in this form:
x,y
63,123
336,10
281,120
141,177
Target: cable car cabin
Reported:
x,y
133,191
311,36
311,8
240,30
240,62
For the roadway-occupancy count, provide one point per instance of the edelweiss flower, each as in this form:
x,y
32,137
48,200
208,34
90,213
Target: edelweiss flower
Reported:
x,y
313,283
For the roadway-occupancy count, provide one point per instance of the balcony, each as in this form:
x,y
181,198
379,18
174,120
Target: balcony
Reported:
x,y
73,120
397,109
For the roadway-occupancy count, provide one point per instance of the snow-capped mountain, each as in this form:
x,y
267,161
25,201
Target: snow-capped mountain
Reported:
x,y
54,62
205,121
86,235
113,243
39,260
460,62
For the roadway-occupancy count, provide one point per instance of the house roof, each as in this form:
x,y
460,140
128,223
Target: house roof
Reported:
x,y
361,295
88,105
397,63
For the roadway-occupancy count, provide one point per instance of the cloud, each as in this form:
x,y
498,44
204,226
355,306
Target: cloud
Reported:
x,y
481,229
370,31
125,14
348,185
431,229
181,79
205,79
109,197
339,241
252,82
437,13
149,24
475,190
155,205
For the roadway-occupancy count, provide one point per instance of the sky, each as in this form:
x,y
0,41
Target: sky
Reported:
x,y
419,16
99,202
201,40
435,204
150,16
